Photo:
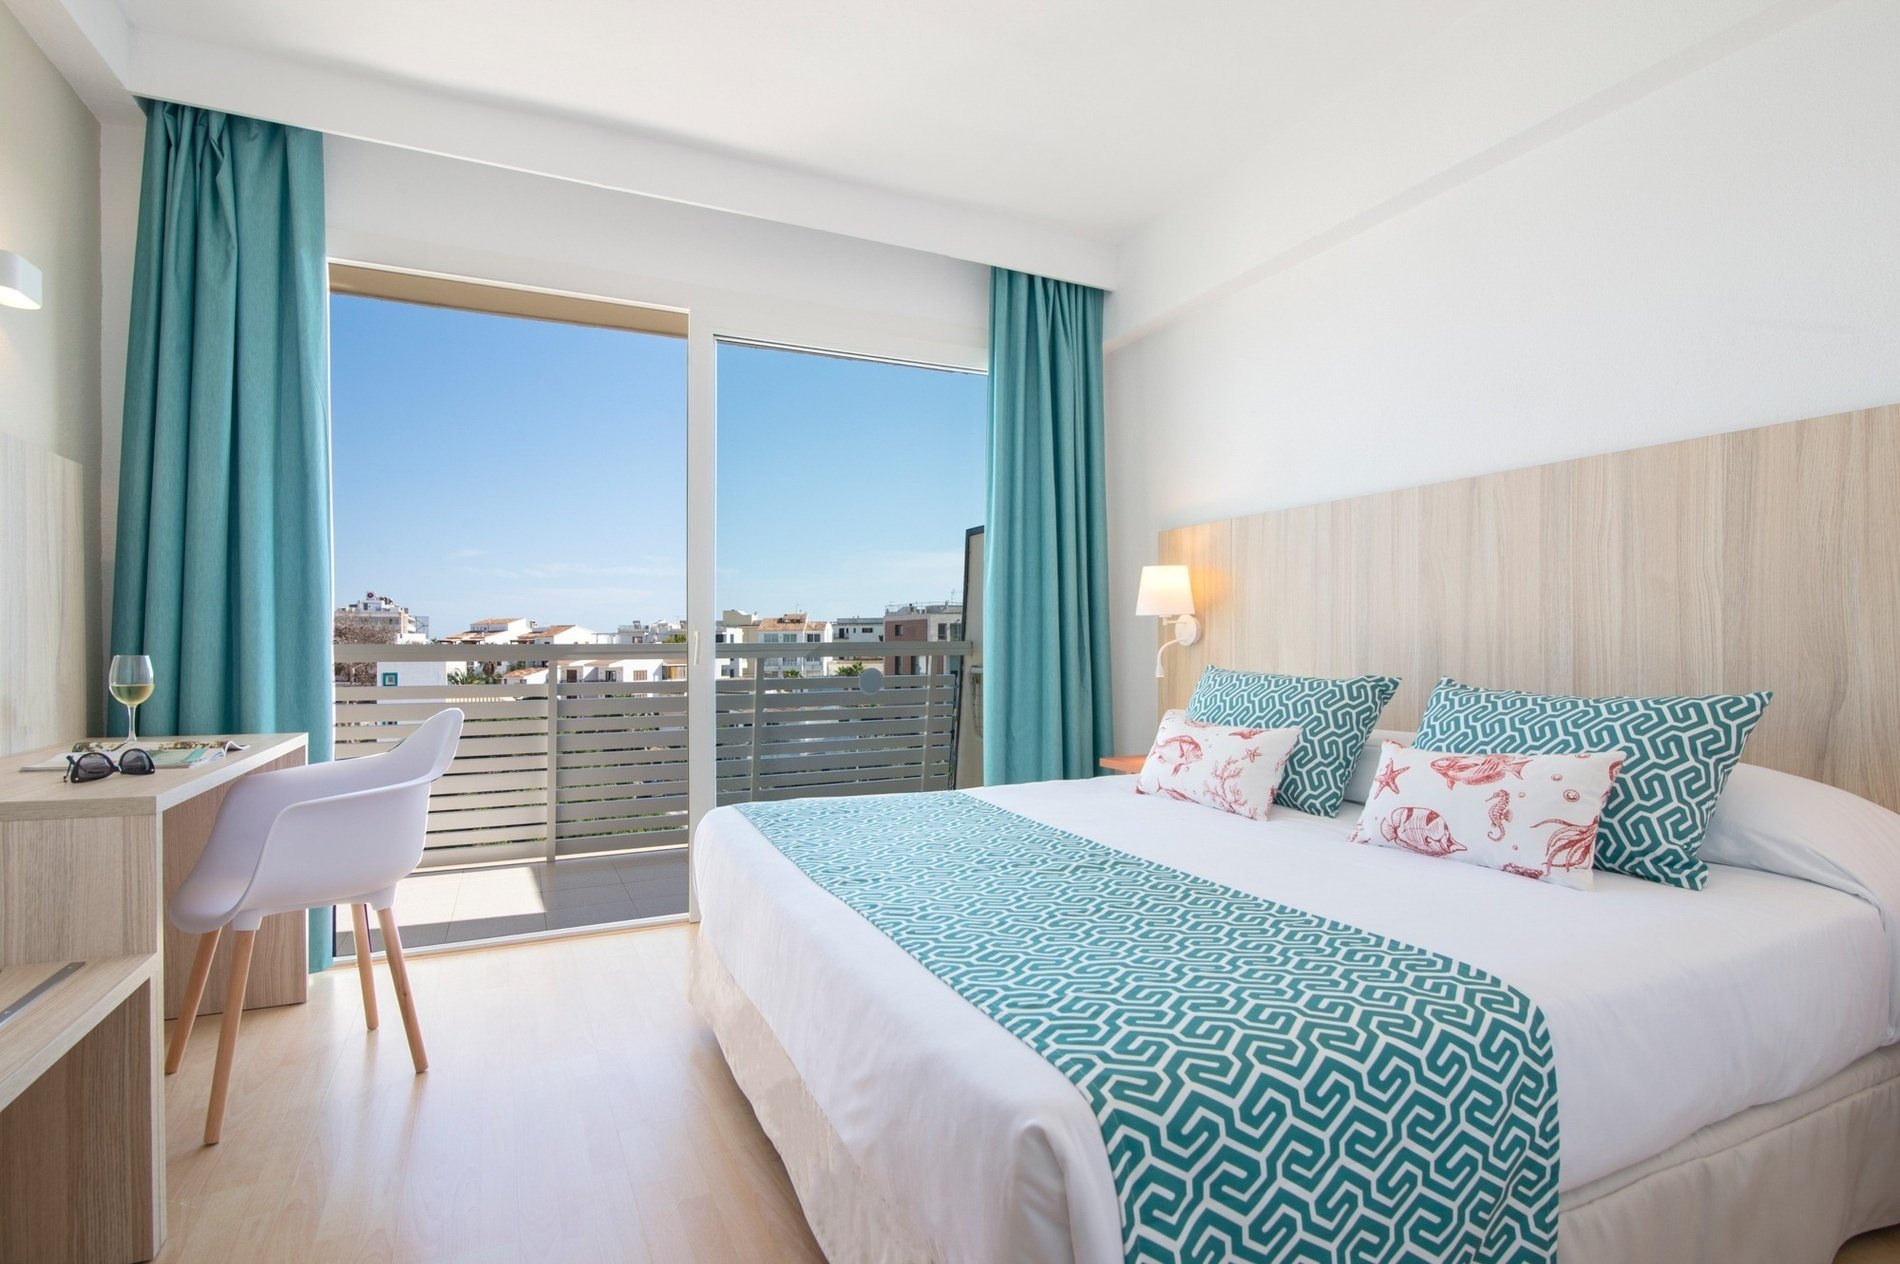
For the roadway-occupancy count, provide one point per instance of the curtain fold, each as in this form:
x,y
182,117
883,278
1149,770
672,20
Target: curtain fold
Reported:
x,y
222,572
1045,651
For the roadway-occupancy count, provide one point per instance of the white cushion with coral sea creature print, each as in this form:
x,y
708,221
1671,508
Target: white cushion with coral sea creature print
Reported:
x,y
1532,815
1217,765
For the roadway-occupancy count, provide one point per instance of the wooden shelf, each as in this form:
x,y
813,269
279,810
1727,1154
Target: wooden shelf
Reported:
x,y
1124,763
82,1139
42,1033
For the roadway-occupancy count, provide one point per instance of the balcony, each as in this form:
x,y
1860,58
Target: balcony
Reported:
x,y
567,801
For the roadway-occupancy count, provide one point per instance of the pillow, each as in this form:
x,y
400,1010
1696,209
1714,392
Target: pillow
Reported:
x,y
1233,769
1333,717
1359,785
1781,823
1678,755
1532,815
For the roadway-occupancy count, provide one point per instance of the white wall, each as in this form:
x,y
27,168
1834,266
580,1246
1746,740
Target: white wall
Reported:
x,y
49,212
342,101
1506,78
1723,252
121,162
739,275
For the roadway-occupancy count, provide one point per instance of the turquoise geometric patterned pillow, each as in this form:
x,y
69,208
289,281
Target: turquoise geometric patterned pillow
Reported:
x,y
1333,716
1679,753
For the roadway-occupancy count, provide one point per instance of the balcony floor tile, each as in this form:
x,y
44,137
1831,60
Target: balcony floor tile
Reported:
x,y
623,910
462,905
578,897
434,904
464,930
658,862
577,873
663,880
654,903
414,935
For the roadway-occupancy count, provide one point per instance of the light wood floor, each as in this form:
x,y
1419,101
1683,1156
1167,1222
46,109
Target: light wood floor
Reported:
x,y
575,1109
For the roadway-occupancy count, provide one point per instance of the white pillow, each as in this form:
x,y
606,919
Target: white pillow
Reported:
x,y
1234,769
1781,823
1531,815
1359,785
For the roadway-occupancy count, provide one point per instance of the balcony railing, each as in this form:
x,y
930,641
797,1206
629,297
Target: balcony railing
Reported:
x,y
573,767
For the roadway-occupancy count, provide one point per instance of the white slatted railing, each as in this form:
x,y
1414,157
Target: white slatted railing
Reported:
x,y
783,739
575,767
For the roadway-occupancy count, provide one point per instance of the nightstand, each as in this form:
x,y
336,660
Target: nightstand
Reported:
x,y
1123,763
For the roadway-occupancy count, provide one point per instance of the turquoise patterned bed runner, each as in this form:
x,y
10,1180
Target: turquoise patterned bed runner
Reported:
x,y
1271,1086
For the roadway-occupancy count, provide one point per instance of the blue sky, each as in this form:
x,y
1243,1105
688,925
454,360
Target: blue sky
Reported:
x,y
486,465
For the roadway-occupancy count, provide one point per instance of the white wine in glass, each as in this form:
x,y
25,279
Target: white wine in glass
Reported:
x,y
130,680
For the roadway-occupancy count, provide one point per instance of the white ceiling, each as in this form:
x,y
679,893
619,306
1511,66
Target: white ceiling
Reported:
x,y
1085,115
1162,149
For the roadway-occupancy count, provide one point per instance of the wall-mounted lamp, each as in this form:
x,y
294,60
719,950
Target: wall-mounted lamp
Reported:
x,y
19,282
1165,591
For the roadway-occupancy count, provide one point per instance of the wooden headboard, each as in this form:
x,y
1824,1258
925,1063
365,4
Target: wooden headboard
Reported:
x,y
1760,559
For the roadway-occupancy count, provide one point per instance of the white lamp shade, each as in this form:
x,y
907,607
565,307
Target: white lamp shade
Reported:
x,y
1165,591
19,282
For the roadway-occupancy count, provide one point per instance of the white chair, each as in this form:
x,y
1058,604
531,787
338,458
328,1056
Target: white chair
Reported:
x,y
337,833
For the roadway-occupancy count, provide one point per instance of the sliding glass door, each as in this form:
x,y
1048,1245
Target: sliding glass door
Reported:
x,y
510,540
847,491
657,571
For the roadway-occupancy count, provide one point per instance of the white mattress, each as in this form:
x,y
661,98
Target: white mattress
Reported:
x,y
1668,1010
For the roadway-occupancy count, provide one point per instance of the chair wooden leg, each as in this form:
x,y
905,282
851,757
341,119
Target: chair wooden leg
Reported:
x,y
365,968
228,1034
194,996
392,952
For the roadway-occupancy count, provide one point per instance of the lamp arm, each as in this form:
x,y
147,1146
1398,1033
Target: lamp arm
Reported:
x,y
1187,630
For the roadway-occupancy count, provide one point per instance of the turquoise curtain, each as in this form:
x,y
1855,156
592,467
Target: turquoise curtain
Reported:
x,y
223,564
1045,550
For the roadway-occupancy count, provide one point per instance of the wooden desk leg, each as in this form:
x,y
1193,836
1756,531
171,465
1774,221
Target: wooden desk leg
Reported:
x,y
82,1172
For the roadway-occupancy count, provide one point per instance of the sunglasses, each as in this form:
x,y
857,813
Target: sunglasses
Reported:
x,y
94,765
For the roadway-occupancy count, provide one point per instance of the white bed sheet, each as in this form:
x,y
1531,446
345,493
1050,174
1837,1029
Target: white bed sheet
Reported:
x,y
1668,1010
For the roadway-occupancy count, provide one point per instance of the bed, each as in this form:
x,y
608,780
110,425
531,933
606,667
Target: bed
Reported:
x,y
1728,1088
1727,1083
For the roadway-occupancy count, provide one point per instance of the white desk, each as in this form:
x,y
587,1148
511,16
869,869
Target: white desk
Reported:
x,y
84,873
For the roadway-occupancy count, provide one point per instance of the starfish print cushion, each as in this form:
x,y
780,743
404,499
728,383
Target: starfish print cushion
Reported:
x,y
1680,753
1535,816
1216,765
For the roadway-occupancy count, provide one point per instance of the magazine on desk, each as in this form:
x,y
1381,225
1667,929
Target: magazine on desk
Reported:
x,y
170,752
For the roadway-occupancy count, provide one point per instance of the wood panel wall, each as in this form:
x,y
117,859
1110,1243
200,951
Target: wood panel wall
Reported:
x,y
1760,559
43,648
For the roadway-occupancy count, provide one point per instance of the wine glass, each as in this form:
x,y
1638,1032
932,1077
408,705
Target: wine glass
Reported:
x,y
130,680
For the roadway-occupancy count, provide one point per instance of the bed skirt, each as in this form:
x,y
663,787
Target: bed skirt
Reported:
x,y
848,1211
1785,1183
